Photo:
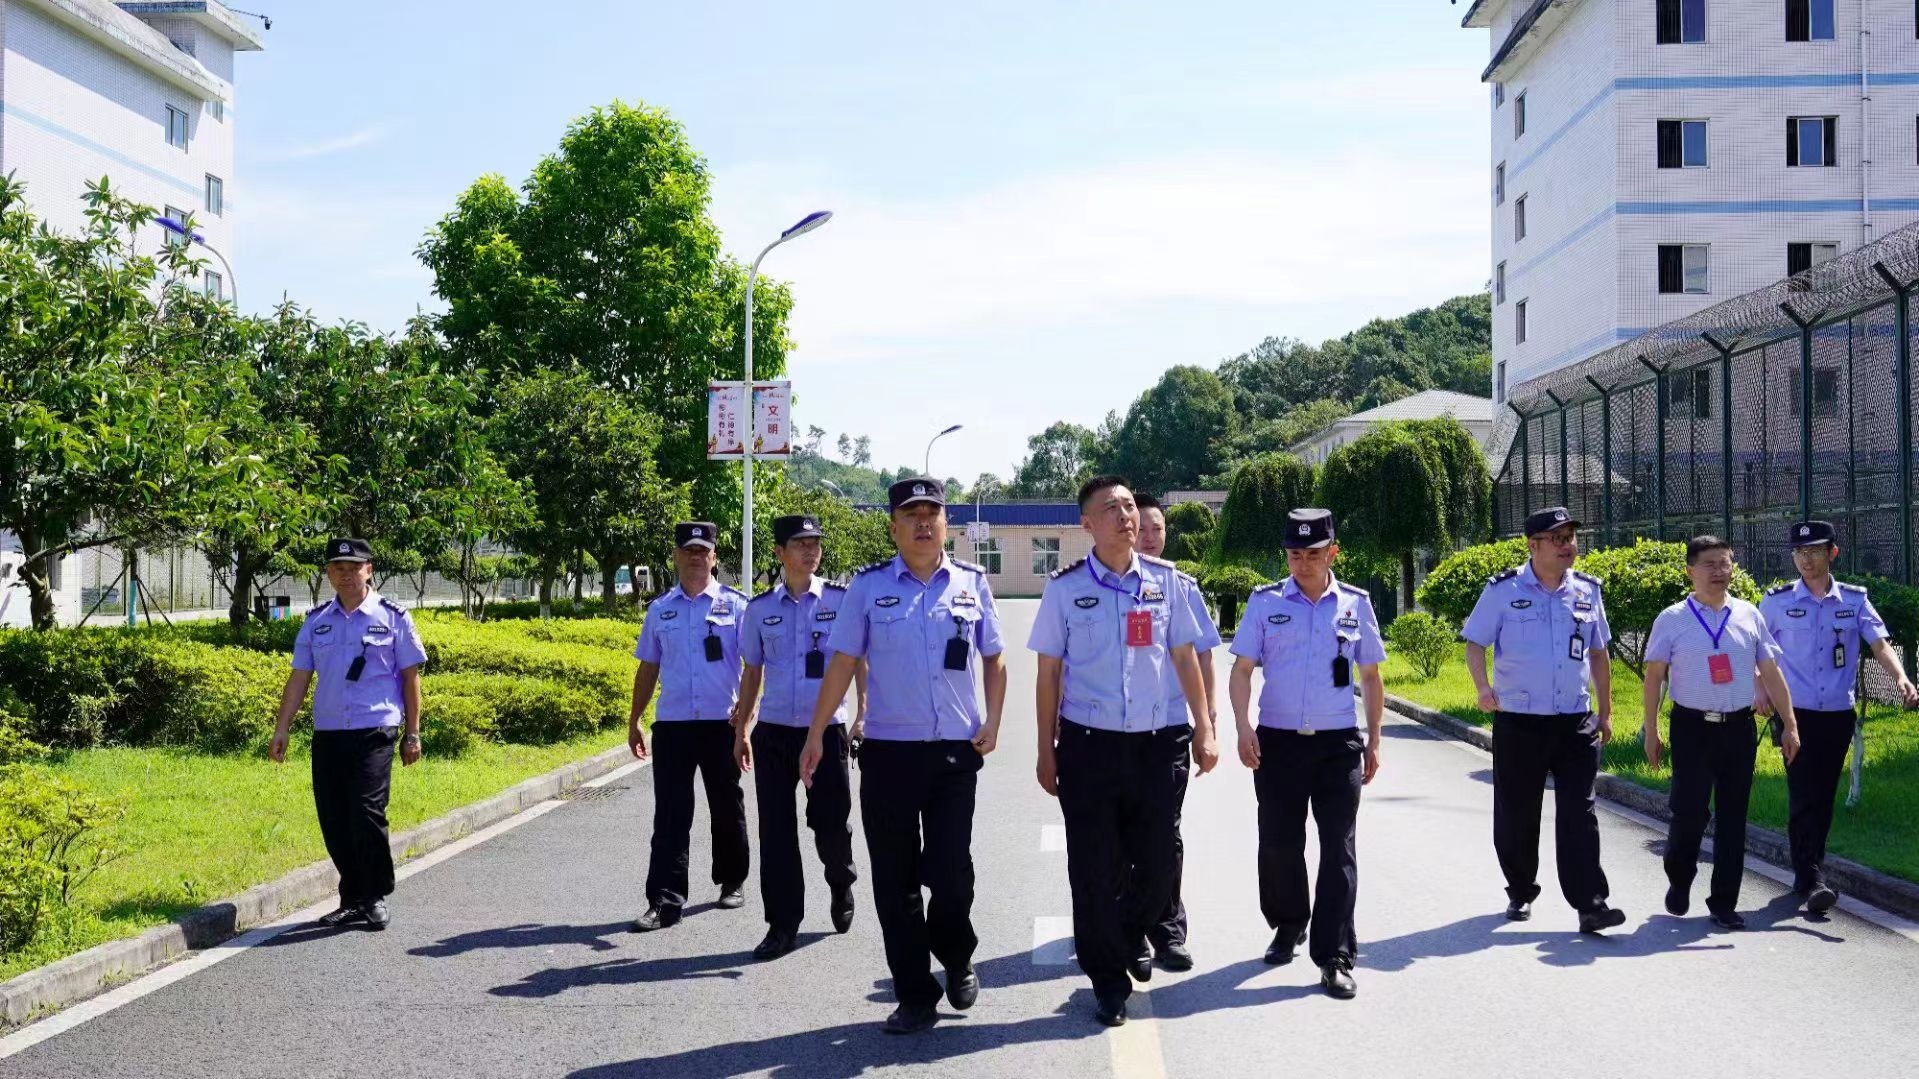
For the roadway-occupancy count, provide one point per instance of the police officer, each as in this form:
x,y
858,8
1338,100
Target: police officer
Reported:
x,y
925,623
782,643
1168,934
362,655
690,647
1710,645
1315,638
1112,631
1546,625
1820,625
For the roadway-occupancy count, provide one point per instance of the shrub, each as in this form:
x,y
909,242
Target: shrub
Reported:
x,y
1254,518
590,607
1231,582
452,724
1640,581
15,746
1189,531
52,838
1425,641
455,645
1453,587
533,711
1898,604
216,699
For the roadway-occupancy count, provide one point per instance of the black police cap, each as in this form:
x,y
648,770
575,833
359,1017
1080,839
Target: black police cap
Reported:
x,y
348,549
1548,519
916,489
695,534
1812,534
796,526
1308,528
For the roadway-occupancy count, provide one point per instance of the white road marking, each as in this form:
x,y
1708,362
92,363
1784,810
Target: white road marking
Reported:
x,y
1135,1047
66,1020
1052,838
1052,941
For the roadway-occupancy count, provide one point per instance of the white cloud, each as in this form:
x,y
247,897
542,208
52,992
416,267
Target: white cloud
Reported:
x,y
353,140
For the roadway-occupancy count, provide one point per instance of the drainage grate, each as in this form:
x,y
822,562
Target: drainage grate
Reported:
x,y
589,794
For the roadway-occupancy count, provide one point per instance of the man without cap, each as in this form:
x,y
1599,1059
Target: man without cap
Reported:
x,y
1821,625
1713,646
1314,638
362,656
925,623
1546,624
782,644
689,647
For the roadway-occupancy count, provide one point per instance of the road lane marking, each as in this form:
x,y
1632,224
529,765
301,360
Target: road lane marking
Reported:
x,y
1052,838
1052,941
1135,1047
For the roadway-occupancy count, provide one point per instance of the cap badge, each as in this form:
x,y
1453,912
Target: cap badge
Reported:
x,y
1305,530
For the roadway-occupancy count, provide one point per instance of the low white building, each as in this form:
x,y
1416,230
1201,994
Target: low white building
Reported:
x,y
1474,413
141,93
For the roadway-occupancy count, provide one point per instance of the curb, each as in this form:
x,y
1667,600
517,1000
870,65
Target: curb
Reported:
x,y
68,980
1886,892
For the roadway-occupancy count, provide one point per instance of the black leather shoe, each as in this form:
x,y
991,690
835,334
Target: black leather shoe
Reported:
x,y
1111,1011
1141,968
731,898
1519,910
841,907
962,989
1678,900
1728,919
911,1019
1175,957
1601,918
1821,898
377,916
1337,980
344,916
1285,945
656,918
777,943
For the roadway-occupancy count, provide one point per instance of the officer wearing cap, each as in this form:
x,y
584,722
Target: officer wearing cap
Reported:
x,y
362,656
1112,631
1315,639
782,642
1713,646
1821,625
1546,625
926,624
1168,934
690,647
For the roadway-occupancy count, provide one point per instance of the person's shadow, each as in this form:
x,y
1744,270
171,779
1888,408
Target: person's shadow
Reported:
x,y
524,935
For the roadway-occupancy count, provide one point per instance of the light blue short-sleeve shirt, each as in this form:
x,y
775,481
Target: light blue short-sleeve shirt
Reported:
x,y
1295,640
1540,639
1209,639
778,633
1680,640
901,626
1812,631
1109,683
332,638
673,638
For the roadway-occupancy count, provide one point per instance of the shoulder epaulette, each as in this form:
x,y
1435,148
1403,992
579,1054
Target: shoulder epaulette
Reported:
x,y
1068,568
1782,586
974,566
1860,588
1353,588
392,606
871,567
1504,575
831,587
1589,579
1268,587
764,594
320,608
1158,561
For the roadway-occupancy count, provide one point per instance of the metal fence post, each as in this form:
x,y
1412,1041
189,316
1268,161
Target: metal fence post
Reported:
x,y
1902,393
1605,461
1805,409
1525,461
1659,449
1725,430
1565,498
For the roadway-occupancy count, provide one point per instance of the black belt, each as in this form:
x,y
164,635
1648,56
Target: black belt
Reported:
x,y
1743,715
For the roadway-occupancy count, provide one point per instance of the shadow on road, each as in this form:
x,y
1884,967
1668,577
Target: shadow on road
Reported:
x,y
525,935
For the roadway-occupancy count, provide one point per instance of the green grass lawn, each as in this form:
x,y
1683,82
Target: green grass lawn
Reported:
x,y
200,827
1882,832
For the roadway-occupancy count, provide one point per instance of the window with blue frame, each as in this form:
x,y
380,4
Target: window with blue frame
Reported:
x,y
1809,20
1682,144
1679,22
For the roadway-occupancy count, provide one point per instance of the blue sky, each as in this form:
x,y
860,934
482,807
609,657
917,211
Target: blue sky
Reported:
x,y
1039,207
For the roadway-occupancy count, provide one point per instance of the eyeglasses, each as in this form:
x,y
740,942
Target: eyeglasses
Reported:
x,y
1557,540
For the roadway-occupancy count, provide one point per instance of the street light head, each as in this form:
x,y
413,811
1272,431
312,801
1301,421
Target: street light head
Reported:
x,y
953,428
808,224
179,229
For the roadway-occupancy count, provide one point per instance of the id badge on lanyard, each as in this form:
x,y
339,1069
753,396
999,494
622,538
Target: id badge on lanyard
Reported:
x,y
1718,664
1139,628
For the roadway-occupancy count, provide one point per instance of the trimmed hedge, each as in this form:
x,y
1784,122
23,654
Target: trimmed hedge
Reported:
x,y
590,607
504,708
1453,587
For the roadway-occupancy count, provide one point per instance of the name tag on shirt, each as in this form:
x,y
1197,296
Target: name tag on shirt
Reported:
x,y
825,616
1151,594
1139,628
1720,666
1581,605
1844,613
1349,623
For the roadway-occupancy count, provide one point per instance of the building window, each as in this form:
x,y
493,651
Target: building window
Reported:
x,y
1519,219
173,238
1809,20
1499,94
219,112
1825,393
213,285
1519,115
176,127
1684,268
1690,392
1045,557
1680,22
1499,283
987,553
1519,323
1499,382
1499,184
1803,257
1682,144
1812,141
216,196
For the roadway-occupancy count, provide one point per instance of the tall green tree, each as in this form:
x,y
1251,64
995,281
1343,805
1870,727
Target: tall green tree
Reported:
x,y
1253,520
1057,461
1407,486
1172,434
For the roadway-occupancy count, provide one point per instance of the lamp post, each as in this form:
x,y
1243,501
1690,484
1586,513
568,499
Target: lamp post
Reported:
x,y
805,225
927,467
179,229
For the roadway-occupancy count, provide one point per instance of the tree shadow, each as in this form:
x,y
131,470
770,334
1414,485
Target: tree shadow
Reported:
x,y
148,906
524,935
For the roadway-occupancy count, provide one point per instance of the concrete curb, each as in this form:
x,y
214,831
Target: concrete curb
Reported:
x,y
1886,892
65,981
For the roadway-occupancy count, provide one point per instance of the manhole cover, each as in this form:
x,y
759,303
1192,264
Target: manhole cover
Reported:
x,y
589,794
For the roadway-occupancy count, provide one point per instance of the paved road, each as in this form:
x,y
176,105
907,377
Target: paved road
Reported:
x,y
513,959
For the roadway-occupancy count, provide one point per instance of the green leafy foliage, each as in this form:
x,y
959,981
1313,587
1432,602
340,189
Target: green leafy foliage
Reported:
x,y
53,836
507,708
1453,586
1253,521
1189,531
1425,640
1231,582
1896,603
1168,438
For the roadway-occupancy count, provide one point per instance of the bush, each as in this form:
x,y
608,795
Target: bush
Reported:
x,y
1425,641
1453,587
529,609
1264,490
52,838
1189,531
1640,581
271,637
1898,604
534,711
1231,582
452,724
455,645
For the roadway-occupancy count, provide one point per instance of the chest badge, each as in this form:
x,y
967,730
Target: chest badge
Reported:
x,y
887,601
668,615
1086,603
322,629
964,599
1521,604
1279,619
772,620
1582,605
1795,612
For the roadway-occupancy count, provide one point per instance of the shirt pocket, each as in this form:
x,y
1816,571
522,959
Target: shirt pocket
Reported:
x,y
892,630
1088,633
1288,635
378,650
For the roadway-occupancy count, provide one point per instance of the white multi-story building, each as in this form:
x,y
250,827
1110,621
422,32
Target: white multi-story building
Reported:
x,y
1654,157
141,93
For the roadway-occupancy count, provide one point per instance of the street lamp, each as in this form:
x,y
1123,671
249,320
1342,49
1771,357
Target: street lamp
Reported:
x,y
179,229
928,469
802,227
833,487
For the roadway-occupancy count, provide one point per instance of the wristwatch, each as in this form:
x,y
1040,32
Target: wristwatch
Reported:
x,y
410,737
